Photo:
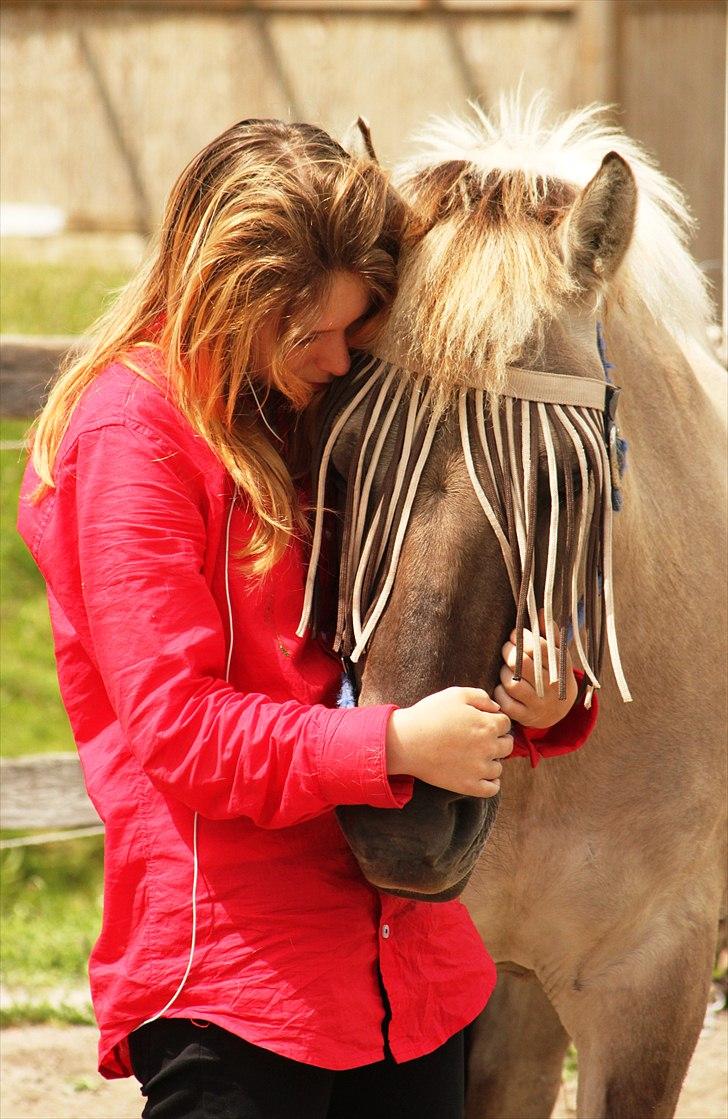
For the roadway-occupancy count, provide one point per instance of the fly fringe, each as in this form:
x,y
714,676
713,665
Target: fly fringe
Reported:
x,y
501,440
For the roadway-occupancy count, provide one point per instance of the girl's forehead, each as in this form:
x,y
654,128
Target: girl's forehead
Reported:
x,y
347,301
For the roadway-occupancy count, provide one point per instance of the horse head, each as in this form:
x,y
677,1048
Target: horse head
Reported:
x,y
477,403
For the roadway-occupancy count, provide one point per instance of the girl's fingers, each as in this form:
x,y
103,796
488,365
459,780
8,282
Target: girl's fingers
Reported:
x,y
528,640
520,690
504,746
527,670
515,710
524,689
478,698
542,626
502,724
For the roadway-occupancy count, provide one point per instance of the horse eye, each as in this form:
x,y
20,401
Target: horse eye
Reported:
x,y
575,483
544,486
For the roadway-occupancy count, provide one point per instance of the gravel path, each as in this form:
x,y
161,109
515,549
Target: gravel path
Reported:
x,y
49,1072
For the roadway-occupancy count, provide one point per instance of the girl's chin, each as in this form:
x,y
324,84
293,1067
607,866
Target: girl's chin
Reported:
x,y
314,394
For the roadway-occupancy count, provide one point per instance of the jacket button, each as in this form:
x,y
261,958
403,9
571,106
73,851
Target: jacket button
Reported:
x,y
385,932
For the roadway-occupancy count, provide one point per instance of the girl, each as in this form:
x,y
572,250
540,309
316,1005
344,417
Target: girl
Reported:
x,y
237,971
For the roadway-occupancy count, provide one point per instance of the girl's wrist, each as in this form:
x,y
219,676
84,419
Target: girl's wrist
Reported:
x,y
396,746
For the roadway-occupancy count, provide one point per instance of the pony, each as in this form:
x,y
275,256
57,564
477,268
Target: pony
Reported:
x,y
599,890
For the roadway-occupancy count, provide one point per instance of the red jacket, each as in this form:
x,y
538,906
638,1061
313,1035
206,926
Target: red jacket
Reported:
x,y
132,544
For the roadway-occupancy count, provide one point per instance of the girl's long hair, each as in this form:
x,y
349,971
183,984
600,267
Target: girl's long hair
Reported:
x,y
253,232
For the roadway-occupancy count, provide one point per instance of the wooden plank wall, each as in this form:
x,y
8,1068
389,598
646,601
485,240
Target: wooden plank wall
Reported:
x,y
671,85
102,102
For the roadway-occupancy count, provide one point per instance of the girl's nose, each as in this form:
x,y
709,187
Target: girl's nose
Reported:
x,y
334,357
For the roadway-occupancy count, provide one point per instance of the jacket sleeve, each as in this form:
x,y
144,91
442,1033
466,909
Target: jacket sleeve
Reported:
x,y
562,738
158,639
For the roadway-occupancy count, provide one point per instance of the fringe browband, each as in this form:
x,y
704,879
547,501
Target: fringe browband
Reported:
x,y
501,435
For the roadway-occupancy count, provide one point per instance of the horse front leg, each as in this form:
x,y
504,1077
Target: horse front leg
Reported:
x,y
635,1024
516,1052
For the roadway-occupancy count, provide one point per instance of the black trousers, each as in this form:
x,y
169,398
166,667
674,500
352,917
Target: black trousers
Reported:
x,y
192,1070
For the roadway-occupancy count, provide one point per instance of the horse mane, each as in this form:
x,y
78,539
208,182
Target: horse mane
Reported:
x,y
485,276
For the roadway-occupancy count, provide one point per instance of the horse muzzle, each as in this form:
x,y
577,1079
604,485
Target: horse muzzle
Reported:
x,y
425,851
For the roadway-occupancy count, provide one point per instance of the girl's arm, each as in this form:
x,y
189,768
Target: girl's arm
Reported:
x,y
123,552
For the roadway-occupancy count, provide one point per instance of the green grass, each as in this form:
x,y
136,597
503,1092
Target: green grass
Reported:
x,y
38,297
32,719
54,297
50,915
45,1013
50,903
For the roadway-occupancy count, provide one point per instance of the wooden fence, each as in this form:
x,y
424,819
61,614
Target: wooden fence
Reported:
x,y
103,102
27,367
42,791
45,791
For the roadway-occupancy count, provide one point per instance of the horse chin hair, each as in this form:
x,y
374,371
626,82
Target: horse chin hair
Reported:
x,y
413,895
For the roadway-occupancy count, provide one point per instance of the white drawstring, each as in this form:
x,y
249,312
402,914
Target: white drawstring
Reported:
x,y
196,818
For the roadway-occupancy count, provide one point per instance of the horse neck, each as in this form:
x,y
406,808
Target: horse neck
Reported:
x,y
668,402
668,534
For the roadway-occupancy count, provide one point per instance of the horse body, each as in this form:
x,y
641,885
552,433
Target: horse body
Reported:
x,y
599,890
603,878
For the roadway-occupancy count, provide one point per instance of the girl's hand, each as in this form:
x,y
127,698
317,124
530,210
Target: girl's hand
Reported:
x,y
519,700
453,739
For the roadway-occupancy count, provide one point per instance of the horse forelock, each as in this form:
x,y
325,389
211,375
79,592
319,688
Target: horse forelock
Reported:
x,y
487,276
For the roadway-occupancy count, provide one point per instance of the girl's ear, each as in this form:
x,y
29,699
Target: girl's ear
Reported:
x,y
357,140
599,228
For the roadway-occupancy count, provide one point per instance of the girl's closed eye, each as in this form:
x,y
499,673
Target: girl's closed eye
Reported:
x,y
361,332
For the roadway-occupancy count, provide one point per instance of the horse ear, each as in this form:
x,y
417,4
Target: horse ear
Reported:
x,y
357,140
599,228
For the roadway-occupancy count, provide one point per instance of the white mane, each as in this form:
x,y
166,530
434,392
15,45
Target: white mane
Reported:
x,y
658,264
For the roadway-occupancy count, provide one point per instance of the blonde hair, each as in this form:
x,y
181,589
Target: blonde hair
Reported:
x,y
485,277
254,230
491,190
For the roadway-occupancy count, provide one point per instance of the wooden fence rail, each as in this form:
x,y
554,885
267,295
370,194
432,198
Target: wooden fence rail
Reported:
x,y
27,366
45,791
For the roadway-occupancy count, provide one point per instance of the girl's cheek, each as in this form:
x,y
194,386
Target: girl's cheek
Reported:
x,y
298,362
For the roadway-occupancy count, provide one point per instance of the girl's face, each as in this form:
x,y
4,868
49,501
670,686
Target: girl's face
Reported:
x,y
324,353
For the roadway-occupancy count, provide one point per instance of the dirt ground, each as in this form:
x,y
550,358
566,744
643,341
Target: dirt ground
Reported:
x,y
50,1073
